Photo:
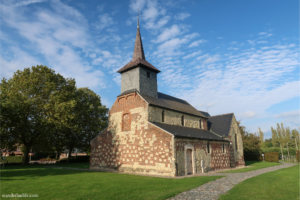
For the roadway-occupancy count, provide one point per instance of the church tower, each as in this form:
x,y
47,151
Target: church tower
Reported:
x,y
139,74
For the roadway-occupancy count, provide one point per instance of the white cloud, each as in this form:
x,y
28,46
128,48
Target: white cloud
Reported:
x,y
182,16
291,114
247,114
262,33
169,33
104,21
196,43
27,2
136,5
192,54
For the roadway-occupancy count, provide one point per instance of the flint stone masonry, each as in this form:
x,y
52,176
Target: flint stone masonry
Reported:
x,y
216,159
174,118
142,149
137,79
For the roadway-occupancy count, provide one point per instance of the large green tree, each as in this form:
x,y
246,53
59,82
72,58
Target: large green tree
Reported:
x,y
80,121
251,142
25,100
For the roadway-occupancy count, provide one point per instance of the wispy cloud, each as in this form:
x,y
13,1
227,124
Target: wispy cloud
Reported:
x,y
197,43
27,2
182,16
292,114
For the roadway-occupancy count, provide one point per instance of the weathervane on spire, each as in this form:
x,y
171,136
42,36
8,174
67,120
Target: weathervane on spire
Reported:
x,y
138,16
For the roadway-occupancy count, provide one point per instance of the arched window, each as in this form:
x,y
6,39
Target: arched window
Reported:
x,y
200,123
236,146
126,122
163,116
182,120
208,150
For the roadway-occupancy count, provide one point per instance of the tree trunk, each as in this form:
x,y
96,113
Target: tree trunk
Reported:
x,y
287,145
56,155
281,152
25,156
296,144
69,156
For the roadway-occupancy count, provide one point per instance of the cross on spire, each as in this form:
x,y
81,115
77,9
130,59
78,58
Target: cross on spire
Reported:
x,y
138,18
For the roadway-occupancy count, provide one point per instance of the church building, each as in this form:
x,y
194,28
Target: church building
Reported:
x,y
154,133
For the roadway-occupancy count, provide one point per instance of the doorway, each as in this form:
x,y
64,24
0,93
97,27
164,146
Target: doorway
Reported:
x,y
189,162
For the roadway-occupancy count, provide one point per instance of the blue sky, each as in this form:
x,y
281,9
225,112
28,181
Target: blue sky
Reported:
x,y
221,56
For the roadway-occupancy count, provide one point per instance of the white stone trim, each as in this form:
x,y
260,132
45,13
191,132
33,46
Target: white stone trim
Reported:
x,y
191,147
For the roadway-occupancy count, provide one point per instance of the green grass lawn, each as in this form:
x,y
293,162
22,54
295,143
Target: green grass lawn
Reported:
x,y
84,165
254,165
280,184
58,183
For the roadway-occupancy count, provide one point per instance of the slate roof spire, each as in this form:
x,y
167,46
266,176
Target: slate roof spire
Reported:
x,y
138,46
138,58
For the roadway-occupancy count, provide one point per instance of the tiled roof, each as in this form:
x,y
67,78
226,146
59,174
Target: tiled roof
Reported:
x,y
220,124
172,103
187,132
169,102
206,114
138,61
138,58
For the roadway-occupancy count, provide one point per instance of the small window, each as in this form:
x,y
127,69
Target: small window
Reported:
x,y
208,150
200,123
148,74
163,116
182,120
223,148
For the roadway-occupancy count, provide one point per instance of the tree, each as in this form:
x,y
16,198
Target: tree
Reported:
x,y
25,102
296,136
287,137
261,137
80,121
251,142
279,136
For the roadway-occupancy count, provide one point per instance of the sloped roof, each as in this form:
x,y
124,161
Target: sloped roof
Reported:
x,y
206,114
187,132
172,103
138,62
220,124
138,58
169,102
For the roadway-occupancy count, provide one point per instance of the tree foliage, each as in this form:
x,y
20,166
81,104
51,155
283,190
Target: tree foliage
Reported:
x,y
251,142
41,109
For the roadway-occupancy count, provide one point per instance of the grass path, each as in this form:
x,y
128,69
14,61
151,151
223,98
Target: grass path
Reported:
x,y
253,165
56,183
276,185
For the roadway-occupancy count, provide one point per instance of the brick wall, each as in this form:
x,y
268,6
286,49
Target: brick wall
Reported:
x,y
142,148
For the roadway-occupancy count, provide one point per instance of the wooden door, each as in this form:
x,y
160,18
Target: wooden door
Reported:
x,y
189,160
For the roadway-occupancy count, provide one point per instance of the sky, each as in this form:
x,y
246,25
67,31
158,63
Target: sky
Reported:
x,y
231,56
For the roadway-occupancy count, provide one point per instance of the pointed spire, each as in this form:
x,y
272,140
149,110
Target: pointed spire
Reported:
x,y
138,46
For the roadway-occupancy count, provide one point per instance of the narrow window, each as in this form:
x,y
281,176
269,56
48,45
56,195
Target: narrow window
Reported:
x,y
223,148
148,74
126,123
208,150
182,120
236,146
163,116
200,123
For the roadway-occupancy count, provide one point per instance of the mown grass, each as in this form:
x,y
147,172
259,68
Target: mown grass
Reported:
x,y
276,185
253,165
58,183
83,165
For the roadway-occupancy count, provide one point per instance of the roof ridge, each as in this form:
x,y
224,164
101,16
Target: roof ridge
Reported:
x,y
202,111
174,97
221,115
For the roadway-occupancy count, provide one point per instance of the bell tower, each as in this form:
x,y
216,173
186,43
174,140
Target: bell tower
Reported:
x,y
139,74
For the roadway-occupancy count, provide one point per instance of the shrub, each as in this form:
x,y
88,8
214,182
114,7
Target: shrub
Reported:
x,y
13,159
253,156
76,159
292,151
272,157
298,155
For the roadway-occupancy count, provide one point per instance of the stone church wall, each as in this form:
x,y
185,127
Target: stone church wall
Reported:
x,y
239,152
140,148
174,118
216,159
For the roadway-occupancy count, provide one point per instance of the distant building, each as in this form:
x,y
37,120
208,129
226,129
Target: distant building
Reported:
x,y
153,133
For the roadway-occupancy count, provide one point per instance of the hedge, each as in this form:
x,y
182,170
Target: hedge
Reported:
x,y
277,149
76,159
272,157
253,156
12,159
